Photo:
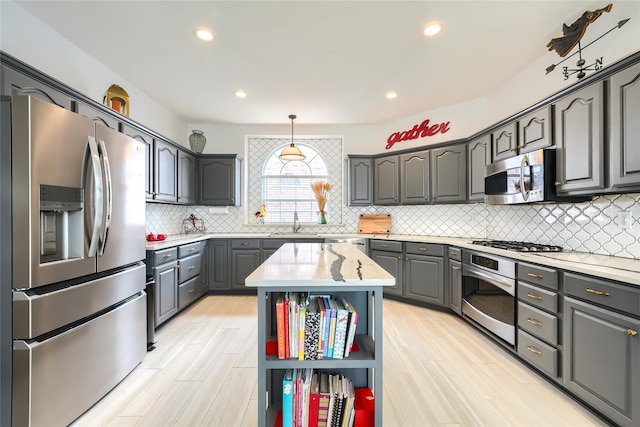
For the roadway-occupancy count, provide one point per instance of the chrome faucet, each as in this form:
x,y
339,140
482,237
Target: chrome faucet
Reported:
x,y
295,219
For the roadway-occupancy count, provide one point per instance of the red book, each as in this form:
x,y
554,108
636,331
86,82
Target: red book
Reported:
x,y
364,404
314,400
280,325
286,326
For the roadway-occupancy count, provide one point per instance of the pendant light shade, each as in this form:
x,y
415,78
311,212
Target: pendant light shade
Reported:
x,y
292,152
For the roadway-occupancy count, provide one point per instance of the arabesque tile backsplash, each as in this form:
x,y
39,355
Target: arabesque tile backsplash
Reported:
x,y
585,227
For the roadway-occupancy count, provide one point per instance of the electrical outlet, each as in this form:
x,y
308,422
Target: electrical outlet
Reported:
x,y
624,220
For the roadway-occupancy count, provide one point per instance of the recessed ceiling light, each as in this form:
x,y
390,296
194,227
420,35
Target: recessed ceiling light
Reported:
x,y
432,28
391,95
240,94
204,34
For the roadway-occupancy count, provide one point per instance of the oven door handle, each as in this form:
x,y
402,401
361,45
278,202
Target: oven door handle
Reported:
x,y
501,283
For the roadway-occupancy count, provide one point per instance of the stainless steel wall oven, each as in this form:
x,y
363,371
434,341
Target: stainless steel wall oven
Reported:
x,y
489,293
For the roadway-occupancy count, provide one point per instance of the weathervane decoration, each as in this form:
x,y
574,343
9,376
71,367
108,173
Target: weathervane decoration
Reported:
x,y
571,37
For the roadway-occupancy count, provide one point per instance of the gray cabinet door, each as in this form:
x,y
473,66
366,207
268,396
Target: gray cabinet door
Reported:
x,y
147,140
166,298
219,180
624,128
186,178
479,158
424,279
534,130
449,174
360,181
15,83
392,263
386,175
219,264
165,168
505,141
97,114
601,359
243,262
455,286
414,178
579,141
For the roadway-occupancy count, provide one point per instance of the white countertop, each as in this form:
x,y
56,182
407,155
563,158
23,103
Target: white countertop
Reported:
x,y
319,264
607,267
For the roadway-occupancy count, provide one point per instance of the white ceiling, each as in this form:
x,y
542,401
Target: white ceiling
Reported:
x,y
329,62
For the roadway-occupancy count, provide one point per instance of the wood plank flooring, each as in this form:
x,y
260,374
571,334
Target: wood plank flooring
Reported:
x,y
438,371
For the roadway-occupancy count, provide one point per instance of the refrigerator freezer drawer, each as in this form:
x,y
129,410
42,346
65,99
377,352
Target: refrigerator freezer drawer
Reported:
x,y
34,315
57,380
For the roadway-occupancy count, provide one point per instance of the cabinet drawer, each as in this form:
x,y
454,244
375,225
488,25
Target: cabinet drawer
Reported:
x,y
539,297
273,243
424,249
189,267
188,292
164,255
608,294
385,245
245,244
455,253
538,323
190,249
538,353
537,275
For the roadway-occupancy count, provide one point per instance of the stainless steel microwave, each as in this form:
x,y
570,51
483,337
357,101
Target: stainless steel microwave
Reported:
x,y
527,178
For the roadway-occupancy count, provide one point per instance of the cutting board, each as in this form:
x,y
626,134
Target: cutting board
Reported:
x,y
374,224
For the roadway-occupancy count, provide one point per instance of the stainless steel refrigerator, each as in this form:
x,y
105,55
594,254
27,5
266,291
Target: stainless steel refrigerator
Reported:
x,y
78,226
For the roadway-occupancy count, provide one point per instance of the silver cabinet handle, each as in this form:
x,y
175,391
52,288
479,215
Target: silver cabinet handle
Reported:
x,y
532,349
534,322
455,267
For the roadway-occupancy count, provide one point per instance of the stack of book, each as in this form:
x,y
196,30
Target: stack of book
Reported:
x,y
312,398
311,327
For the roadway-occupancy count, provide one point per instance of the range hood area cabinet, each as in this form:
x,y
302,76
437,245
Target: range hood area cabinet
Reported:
x,y
219,180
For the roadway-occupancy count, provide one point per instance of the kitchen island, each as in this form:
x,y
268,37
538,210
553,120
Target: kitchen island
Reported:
x,y
337,269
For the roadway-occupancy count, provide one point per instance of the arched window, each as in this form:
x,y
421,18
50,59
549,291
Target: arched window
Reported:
x,y
286,185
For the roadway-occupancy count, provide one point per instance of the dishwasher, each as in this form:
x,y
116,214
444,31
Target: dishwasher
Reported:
x,y
361,243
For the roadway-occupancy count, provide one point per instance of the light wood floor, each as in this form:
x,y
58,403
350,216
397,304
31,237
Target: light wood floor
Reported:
x,y
438,371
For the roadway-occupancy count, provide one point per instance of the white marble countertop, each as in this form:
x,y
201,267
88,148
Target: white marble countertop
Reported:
x,y
319,264
607,267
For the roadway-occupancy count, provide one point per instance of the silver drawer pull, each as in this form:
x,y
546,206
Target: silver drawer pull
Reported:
x,y
455,267
384,246
191,267
166,256
190,290
534,322
245,243
535,276
453,253
424,249
532,349
532,296
191,250
597,292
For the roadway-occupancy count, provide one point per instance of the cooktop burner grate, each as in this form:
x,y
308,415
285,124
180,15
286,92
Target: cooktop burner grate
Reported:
x,y
518,246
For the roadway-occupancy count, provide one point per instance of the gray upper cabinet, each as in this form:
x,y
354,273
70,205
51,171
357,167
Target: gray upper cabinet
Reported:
x,y
165,172
16,83
449,174
624,129
97,114
147,140
505,141
360,181
386,175
219,180
186,178
479,157
414,178
534,130
579,133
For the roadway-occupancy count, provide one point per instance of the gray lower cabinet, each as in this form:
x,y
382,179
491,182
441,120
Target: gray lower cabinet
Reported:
x,y
454,294
270,246
386,178
579,139
245,257
219,180
360,181
392,263
449,174
479,153
219,264
186,178
163,264
189,275
624,129
415,181
165,172
424,273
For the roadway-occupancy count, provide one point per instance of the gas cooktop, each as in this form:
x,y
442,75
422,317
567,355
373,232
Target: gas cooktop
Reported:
x,y
518,246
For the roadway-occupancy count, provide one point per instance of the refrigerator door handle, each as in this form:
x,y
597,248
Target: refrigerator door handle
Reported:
x,y
94,212
108,196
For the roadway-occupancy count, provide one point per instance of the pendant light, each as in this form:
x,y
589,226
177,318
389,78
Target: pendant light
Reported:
x,y
292,152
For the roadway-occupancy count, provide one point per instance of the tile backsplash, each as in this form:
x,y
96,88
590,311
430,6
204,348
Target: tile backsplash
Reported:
x,y
585,227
